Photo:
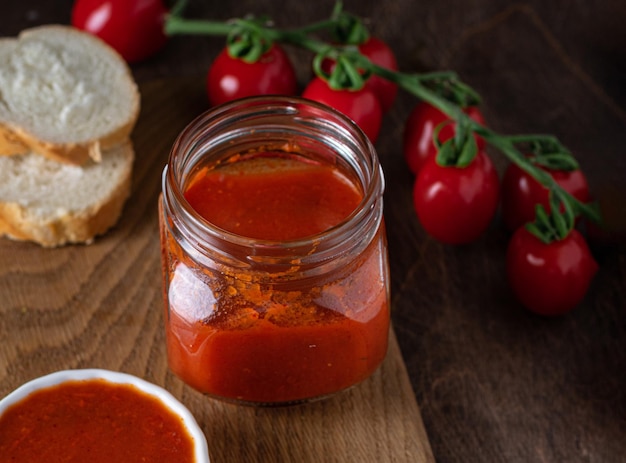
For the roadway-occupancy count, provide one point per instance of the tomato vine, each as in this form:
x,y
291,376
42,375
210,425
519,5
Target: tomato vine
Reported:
x,y
444,90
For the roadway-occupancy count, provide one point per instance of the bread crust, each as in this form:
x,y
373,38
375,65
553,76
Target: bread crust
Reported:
x,y
18,141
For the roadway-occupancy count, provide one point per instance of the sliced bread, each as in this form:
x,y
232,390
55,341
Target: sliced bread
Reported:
x,y
55,203
64,94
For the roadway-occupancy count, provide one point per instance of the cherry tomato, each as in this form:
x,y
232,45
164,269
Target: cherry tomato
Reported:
x,y
549,279
456,204
418,143
132,27
362,106
521,192
233,78
379,53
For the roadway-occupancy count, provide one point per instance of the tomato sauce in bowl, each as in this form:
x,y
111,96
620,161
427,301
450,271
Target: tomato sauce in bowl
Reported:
x,y
97,416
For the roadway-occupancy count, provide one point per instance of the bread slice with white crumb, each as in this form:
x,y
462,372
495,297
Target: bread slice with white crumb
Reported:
x,y
64,94
54,204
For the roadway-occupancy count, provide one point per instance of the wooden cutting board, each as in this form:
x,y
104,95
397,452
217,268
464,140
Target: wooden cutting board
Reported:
x,y
100,306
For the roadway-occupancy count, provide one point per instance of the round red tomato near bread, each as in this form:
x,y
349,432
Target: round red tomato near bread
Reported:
x,y
132,27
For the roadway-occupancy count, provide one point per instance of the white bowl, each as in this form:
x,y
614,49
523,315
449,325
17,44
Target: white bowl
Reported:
x,y
201,451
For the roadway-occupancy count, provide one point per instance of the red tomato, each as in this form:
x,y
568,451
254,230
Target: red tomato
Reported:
x,y
132,27
456,204
521,192
549,279
379,53
418,143
361,106
232,78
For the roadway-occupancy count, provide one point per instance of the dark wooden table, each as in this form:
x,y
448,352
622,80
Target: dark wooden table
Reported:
x,y
494,383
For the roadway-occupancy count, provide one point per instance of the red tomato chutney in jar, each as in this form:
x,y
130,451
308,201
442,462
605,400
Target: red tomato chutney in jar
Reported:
x,y
274,253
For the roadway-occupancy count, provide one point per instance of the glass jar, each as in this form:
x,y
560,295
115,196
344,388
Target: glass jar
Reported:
x,y
266,321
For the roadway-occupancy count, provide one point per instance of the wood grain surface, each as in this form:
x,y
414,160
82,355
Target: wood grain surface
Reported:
x,y
100,306
493,382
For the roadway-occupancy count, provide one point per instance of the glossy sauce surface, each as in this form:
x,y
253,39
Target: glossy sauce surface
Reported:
x,y
273,197
93,421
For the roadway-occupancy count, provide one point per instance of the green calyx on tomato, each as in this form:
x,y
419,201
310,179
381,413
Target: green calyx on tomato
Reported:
x,y
458,151
352,67
345,73
248,40
557,225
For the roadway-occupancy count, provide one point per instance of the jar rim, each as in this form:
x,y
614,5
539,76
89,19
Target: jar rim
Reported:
x,y
291,106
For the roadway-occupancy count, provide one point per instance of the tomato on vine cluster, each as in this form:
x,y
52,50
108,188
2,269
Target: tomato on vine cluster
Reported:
x,y
549,264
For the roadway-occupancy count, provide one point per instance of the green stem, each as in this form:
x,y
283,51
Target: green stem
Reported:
x,y
301,40
529,138
325,25
413,83
177,25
